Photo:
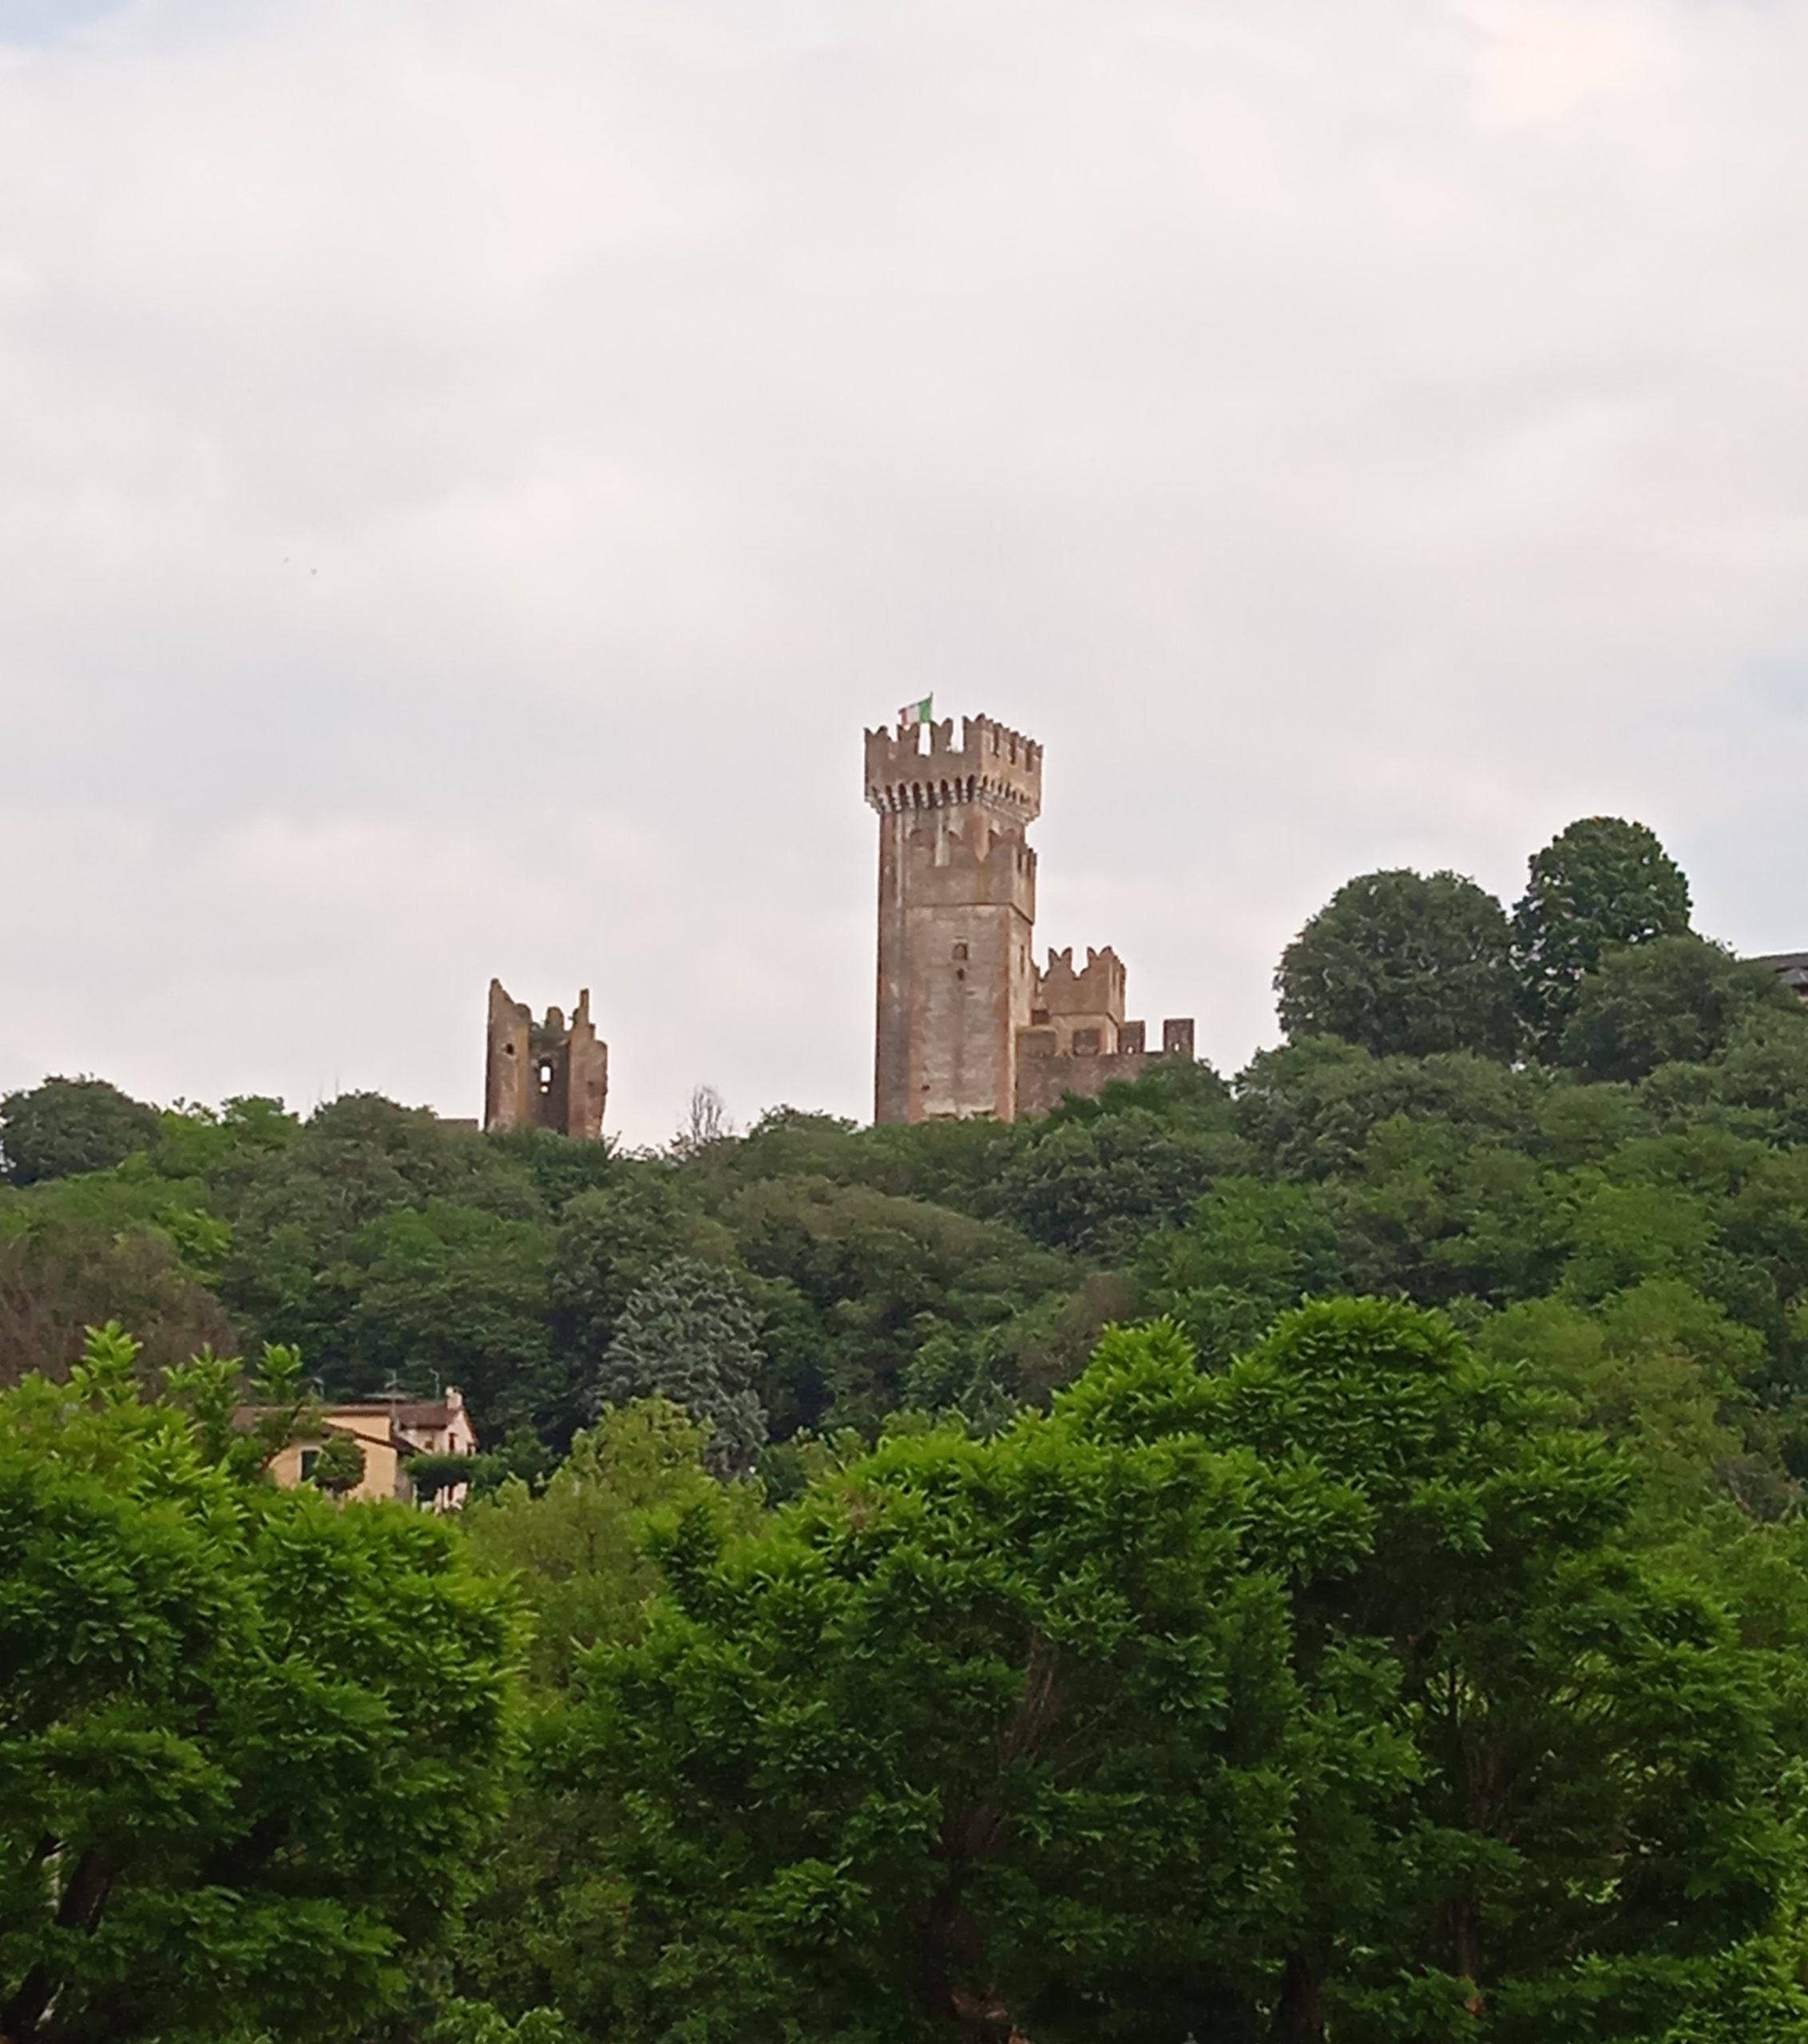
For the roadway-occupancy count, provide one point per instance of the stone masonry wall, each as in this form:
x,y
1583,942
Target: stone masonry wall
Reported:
x,y
543,1074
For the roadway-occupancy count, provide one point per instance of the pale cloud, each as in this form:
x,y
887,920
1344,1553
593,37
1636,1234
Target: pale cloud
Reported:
x,y
468,473
1545,60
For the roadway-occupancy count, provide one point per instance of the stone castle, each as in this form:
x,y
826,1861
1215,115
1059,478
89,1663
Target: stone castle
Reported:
x,y
543,1074
967,1023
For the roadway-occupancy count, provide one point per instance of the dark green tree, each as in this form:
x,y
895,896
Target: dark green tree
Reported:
x,y
457,1293
66,1126
338,1465
853,1283
1249,1250
1592,1827
1600,886
60,1277
1403,964
1673,1000
1096,1181
689,1336
577,1551
980,1738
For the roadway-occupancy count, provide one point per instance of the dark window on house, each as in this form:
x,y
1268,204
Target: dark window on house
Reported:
x,y
309,1457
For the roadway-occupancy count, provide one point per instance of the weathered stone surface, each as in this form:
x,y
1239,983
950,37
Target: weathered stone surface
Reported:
x,y
966,1024
543,1074
956,911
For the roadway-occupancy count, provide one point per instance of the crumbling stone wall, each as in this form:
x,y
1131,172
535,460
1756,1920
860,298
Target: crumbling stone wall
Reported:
x,y
543,1074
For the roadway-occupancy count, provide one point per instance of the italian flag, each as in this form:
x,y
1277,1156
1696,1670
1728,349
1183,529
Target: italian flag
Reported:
x,y
916,713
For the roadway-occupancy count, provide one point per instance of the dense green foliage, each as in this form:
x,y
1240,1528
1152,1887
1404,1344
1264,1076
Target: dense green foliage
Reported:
x,y
1404,966
248,1742
1318,1556
688,1337
70,1125
1601,885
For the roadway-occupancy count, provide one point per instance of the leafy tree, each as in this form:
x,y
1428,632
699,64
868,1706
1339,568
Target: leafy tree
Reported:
x,y
66,1126
320,1222
1660,1368
1095,1178
1599,886
577,1551
477,2022
248,1741
610,1241
1674,999
60,1275
1249,1250
1590,1829
198,1142
689,1336
1403,964
559,1169
338,1465
1441,1211
854,1284
979,1737
456,1292
1309,1110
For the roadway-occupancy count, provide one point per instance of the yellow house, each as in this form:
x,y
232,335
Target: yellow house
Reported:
x,y
390,1431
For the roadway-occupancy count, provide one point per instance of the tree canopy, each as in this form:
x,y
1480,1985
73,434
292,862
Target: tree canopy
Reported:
x,y
67,1126
1404,965
686,1335
1599,886
248,1741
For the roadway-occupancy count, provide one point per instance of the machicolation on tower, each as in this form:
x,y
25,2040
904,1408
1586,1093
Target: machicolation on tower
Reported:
x,y
966,1024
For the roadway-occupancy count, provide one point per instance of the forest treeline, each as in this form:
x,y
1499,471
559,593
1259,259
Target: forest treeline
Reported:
x,y
1312,1554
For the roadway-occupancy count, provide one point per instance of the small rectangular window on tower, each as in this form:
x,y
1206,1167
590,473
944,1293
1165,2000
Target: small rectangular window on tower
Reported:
x,y
960,951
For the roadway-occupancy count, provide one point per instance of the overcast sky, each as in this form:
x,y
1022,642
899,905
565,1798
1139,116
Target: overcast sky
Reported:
x,y
469,472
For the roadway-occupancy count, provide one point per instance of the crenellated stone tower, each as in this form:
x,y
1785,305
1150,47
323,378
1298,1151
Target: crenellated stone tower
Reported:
x,y
966,1024
543,1074
956,913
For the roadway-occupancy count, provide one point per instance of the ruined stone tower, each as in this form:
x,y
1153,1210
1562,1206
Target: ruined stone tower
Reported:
x,y
966,1024
543,1074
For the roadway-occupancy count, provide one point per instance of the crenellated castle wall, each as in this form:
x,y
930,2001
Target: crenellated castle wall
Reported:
x,y
966,1025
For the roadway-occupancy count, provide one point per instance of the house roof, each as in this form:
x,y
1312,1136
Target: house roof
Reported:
x,y
1790,965
422,1412
389,1412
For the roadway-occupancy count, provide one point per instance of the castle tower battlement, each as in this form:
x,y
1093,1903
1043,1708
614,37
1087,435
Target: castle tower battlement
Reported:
x,y
957,912
1098,988
992,764
966,1025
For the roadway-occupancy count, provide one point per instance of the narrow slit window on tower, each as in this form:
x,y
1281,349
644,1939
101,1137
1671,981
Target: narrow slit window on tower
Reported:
x,y
546,1078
